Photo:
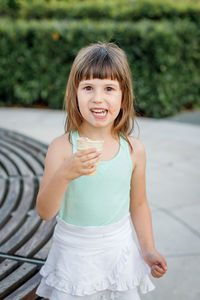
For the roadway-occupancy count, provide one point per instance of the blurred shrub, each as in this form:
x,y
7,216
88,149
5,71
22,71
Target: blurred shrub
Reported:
x,y
36,57
129,10
10,7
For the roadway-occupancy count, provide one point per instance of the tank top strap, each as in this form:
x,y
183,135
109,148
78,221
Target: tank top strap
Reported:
x,y
74,136
124,145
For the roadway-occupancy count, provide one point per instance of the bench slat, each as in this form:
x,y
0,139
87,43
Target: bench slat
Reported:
x,y
27,290
22,235
43,252
33,148
8,165
38,240
7,266
19,215
24,154
3,173
3,186
16,278
14,135
9,204
10,151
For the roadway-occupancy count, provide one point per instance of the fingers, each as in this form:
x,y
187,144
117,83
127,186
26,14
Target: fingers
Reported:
x,y
90,163
157,271
90,170
155,274
156,262
163,264
88,160
89,156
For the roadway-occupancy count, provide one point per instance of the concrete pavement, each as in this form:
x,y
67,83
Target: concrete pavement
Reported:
x,y
187,116
173,190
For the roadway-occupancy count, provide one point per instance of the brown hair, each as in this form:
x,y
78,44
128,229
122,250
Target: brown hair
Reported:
x,y
102,61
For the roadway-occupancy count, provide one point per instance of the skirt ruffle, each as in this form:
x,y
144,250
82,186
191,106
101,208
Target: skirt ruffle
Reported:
x,y
81,273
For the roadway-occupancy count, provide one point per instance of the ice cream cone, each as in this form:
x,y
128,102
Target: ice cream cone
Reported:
x,y
84,143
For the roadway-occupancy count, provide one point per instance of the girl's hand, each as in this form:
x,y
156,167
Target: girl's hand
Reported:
x,y
156,262
80,163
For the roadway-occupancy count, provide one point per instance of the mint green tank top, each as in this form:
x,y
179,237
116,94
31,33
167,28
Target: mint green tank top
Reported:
x,y
103,198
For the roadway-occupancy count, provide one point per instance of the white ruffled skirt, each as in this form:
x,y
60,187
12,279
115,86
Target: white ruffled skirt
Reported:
x,y
102,261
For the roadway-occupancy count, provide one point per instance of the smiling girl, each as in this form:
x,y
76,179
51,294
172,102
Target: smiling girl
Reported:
x,y
93,254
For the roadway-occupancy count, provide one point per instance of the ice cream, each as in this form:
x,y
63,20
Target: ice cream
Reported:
x,y
84,143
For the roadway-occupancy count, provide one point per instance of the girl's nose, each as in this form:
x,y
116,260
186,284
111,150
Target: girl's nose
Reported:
x,y
97,97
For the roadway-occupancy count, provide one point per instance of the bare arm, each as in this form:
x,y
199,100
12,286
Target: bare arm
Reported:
x,y
139,208
140,212
61,167
53,183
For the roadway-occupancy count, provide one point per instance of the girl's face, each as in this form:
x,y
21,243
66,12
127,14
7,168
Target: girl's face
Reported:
x,y
99,101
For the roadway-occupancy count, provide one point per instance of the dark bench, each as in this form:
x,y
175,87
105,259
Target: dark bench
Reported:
x,y
25,239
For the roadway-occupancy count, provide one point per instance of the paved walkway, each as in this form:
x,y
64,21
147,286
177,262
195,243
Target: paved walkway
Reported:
x,y
187,116
173,173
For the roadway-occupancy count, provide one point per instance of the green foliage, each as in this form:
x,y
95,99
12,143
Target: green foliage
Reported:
x,y
10,7
129,10
36,57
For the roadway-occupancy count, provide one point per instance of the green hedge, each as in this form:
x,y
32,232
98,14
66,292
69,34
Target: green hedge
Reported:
x,y
126,10
36,57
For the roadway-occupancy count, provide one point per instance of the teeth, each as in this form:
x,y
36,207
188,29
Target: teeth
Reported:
x,y
99,112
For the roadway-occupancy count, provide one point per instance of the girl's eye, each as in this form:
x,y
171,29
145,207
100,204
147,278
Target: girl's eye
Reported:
x,y
109,89
88,88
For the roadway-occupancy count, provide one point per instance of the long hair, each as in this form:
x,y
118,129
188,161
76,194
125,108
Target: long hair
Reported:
x,y
102,61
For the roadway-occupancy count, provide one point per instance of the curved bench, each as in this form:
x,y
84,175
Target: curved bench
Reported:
x,y
24,238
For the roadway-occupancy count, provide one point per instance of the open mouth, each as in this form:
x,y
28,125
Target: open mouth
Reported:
x,y
99,112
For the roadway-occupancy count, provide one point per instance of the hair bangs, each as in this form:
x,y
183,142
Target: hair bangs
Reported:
x,y
99,65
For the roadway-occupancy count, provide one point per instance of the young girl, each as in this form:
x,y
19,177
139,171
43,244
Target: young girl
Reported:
x,y
93,254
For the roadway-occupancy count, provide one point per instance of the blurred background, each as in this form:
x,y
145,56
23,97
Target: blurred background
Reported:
x,y
39,40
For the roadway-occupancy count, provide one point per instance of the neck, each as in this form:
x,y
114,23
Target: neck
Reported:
x,y
96,133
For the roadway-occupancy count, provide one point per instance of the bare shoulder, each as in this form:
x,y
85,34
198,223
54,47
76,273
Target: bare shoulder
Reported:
x,y
61,146
137,145
59,150
138,154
